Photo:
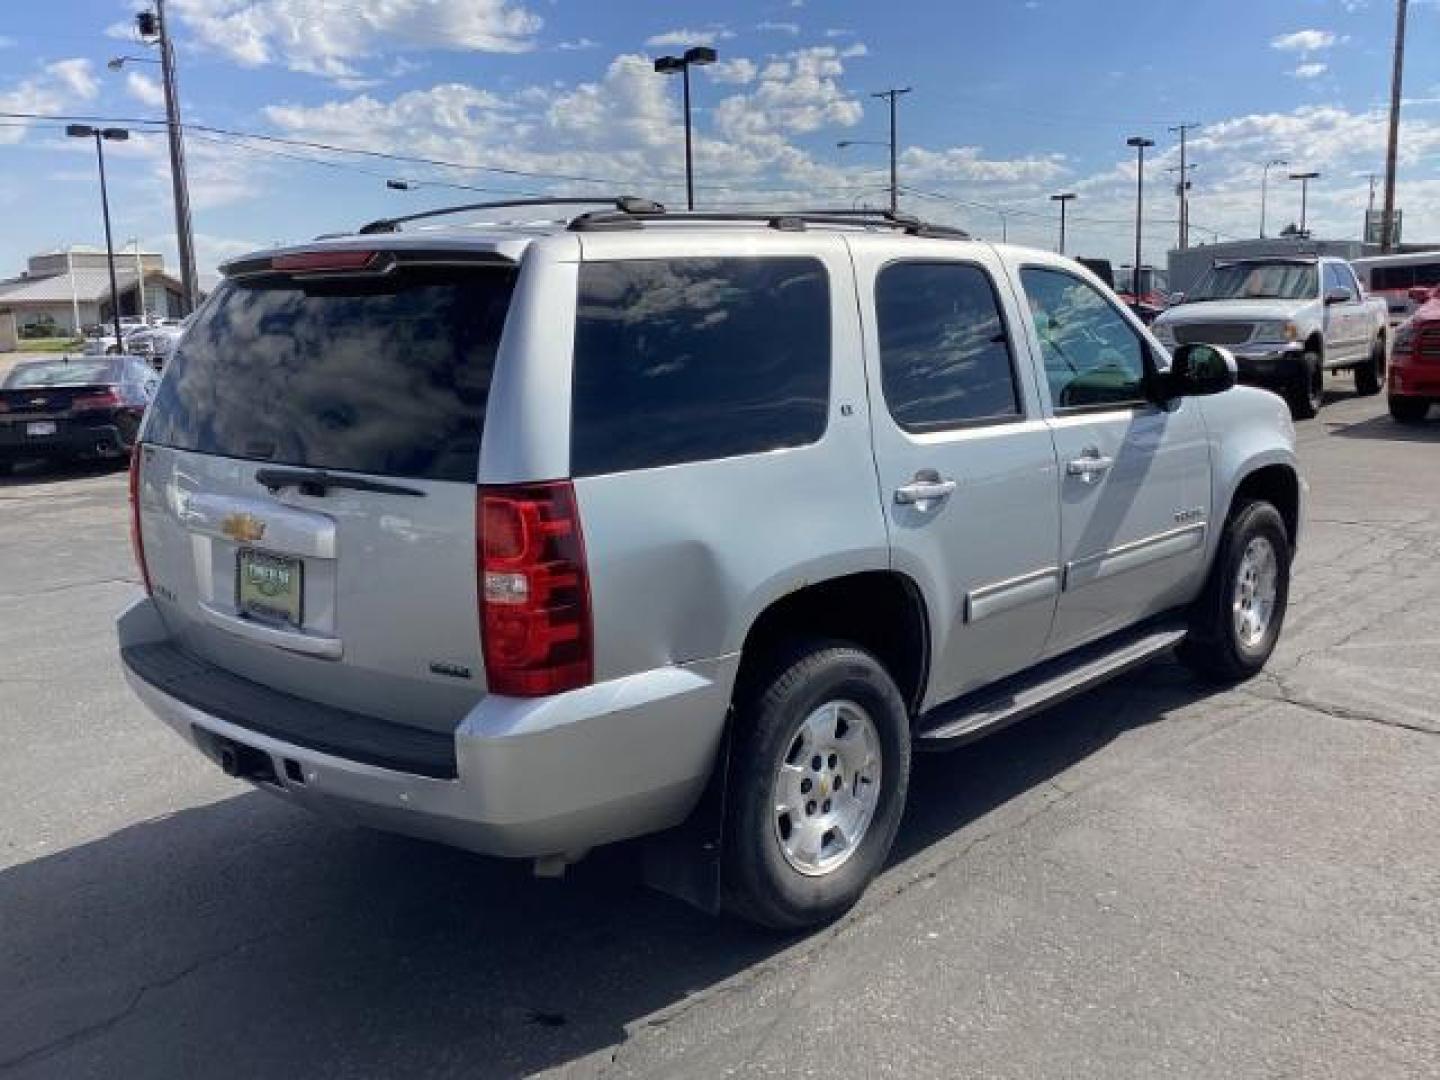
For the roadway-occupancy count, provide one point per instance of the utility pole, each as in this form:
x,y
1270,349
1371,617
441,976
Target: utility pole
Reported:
x,y
892,94
1387,224
1184,186
154,25
1370,206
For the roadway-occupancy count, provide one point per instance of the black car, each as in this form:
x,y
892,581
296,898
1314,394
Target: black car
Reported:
x,y
73,408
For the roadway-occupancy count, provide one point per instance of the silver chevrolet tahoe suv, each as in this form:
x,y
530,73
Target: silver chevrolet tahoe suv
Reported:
x,y
530,537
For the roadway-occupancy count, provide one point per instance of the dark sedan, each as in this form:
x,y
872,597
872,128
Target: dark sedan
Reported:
x,y
73,409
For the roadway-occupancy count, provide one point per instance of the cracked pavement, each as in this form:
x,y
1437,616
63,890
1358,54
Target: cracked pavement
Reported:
x,y
1154,878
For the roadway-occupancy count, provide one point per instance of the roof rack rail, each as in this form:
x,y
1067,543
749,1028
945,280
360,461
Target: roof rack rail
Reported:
x,y
782,220
623,204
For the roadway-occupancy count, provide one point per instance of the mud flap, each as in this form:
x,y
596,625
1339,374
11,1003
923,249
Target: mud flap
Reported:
x,y
685,862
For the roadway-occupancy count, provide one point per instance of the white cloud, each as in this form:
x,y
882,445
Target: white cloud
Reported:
x,y
966,163
1304,41
836,32
688,37
854,49
6,42
738,71
1311,70
53,89
778,27
321,38
144,89
77,76
577,44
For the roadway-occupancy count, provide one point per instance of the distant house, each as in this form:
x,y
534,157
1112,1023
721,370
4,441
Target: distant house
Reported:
x,y
69,290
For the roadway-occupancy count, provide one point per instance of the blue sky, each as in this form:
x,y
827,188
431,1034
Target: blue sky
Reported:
x,y
1012,100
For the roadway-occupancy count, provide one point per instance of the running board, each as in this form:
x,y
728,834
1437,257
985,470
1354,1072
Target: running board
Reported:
x,y
992,707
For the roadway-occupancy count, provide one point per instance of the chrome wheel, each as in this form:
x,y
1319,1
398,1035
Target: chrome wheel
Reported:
x,y
826,788
1253,596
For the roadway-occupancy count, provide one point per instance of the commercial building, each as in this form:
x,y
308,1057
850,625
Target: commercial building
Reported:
x,y
66,291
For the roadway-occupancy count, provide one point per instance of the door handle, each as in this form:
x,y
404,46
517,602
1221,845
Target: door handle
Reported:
x,y
1089,468
926,488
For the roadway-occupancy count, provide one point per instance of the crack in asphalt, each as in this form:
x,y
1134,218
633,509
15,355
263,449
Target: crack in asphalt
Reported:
x,y
1287,695
138,996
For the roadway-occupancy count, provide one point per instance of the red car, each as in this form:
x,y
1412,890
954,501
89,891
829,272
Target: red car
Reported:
x,y
1415,360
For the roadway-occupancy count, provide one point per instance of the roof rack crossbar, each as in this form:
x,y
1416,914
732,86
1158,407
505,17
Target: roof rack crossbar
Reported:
x,y
624,204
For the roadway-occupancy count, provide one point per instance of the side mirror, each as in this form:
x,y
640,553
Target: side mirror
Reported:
x,y
1338,295
1177,298
1421,294
1198,370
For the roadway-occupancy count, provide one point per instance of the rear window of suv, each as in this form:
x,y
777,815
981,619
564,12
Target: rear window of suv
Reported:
x,y
387,375
690,359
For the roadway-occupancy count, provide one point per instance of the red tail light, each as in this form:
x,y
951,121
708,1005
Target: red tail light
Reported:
x,y
106,398
534,590
137,541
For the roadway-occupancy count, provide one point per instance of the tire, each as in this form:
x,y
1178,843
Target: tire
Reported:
x,y
1307,394
1370,376
806,728
1220,647
1409,410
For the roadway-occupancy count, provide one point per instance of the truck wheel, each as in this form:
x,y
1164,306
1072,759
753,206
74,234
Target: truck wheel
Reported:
x,y
1307,393
1370,375
817,786
1409,410
1236,622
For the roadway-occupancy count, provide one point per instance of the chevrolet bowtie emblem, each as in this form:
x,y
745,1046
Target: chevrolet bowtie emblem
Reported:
x,y
243,528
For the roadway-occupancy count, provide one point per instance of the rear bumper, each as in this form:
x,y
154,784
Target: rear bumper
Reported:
x,y
71,439
533,777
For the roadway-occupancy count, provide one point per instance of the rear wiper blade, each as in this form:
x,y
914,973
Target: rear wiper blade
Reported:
x,y
317,481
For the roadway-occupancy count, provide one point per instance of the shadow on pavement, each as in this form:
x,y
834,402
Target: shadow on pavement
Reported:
x,y
244,938
56,471
1387,429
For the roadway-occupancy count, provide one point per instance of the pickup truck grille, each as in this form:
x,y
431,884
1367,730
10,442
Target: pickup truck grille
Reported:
x,y
1213,333
1427,344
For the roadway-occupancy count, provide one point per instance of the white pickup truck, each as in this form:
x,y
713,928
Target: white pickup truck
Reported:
x,y
1288,320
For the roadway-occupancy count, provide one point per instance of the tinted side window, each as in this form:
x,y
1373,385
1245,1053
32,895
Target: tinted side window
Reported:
x,y
944,351
1092,354
1333,280
690,359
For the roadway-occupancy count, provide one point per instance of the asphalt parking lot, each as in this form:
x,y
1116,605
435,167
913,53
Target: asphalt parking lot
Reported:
x,y
1154,879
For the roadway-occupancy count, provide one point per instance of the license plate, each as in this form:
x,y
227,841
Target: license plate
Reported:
x,y
39,428
269,587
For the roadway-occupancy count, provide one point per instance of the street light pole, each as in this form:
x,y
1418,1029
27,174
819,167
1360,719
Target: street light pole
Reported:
x,y
1304,179
1139,142
84,131
892,94
1265,176
1062,198
669,65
